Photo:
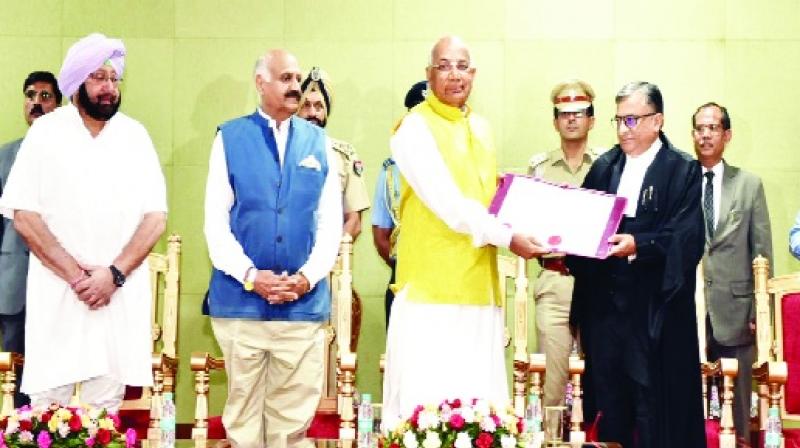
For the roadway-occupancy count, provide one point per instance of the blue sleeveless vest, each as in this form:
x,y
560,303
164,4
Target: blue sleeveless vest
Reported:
x,y
274,215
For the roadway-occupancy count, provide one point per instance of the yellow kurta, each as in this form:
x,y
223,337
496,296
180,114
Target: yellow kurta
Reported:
x,y
440,265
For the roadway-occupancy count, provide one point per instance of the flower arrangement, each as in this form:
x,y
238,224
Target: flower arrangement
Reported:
x,y
63,427
458,424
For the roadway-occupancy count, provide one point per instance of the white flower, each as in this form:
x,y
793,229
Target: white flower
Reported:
x,y
508,441
410,440
463,441
468,413
447,412
482,407
13,425
488,425
63,429
427,420
26,436
94,413
432,440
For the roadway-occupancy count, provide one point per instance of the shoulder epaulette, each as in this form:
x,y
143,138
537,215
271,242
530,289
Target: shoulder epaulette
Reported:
x,y
538,159
388,162
342,147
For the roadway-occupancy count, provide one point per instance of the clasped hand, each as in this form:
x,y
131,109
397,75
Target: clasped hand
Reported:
x,y
96,288
280,288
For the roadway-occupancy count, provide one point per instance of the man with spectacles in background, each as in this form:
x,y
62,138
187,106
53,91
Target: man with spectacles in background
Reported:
x,y
41,96
737,230
635,309
573,118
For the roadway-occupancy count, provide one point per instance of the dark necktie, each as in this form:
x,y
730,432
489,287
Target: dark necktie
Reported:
x,y
708,203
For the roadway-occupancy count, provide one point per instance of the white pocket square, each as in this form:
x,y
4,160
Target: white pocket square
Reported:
x,y
311,162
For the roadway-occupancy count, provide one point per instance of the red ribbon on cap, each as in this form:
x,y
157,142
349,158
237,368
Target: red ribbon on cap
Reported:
x,y
571,99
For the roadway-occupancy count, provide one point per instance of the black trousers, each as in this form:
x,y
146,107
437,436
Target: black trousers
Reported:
x,y
625,403
743,386
389,297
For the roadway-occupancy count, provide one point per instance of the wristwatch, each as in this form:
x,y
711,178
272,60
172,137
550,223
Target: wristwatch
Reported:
x,y
117,275
249,279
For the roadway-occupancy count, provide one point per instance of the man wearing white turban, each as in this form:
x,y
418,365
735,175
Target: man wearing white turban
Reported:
x,y
87,195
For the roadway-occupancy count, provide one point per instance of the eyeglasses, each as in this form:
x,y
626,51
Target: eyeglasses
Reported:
x,y
447,66
577,114
43,95
714,128
100,78
631,121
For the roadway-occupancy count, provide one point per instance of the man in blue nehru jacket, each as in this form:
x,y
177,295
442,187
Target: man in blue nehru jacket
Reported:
x,y
273,219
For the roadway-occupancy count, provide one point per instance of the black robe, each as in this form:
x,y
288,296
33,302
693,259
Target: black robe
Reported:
x,y
655,313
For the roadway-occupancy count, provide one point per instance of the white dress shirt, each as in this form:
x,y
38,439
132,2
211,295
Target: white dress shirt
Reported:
x,y
226,252
418,158
630,182
716,182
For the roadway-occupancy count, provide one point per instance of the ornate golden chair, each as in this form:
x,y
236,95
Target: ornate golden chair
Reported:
x,y
529,368
777,366
337,397
141,408
723,370
514,269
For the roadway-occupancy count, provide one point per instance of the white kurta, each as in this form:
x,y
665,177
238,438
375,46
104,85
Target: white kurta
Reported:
x,y
433,351
92,193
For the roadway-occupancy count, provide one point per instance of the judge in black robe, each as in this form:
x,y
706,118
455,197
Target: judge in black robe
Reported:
x,y
636,313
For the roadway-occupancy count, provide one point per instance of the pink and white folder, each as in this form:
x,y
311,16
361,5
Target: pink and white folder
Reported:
x,y
566,219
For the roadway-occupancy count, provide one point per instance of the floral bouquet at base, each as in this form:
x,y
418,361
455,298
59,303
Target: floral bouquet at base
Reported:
x,y
459,424
63,427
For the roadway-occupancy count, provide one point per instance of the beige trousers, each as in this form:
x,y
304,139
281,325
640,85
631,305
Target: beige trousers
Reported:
x,y
553,294
275,376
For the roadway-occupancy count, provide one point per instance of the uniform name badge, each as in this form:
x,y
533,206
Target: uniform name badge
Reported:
x,y
566,219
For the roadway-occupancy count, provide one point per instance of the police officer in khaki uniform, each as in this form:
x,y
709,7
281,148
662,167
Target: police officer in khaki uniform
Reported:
x,y
573,118
315,106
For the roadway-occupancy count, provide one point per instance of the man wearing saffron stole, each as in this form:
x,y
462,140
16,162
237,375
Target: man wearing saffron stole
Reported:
x,y
445,339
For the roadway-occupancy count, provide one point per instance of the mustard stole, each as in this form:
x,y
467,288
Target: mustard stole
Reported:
x,y
435,263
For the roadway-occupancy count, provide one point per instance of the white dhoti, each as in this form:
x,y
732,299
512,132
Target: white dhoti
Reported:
x,y
438,352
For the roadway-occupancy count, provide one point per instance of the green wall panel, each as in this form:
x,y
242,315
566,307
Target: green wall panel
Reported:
x,y
20,19
262,19
128,18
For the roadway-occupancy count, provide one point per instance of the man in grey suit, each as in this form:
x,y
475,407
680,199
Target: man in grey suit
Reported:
x,y
737,230
41,96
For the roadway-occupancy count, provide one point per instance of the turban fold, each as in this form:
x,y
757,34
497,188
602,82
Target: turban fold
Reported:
x,y
317,80
416,94
87,55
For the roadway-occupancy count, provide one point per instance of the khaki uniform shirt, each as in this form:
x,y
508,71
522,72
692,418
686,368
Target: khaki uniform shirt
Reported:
x,y
351,170
552,167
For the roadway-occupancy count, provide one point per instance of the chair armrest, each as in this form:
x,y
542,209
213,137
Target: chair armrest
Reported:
x,y
727,368
201,364
576,368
